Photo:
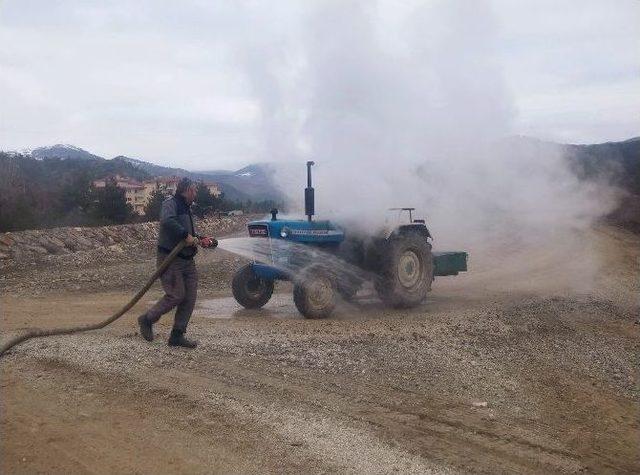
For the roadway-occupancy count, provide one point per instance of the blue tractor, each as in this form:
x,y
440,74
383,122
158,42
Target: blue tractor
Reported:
x,y
325,262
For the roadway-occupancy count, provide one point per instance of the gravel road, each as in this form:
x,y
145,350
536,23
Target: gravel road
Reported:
x,y
506,369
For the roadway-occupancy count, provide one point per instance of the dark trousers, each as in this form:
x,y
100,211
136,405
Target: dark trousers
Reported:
x,y
180,284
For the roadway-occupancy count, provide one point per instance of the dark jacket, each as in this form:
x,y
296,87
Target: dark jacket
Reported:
x,y
176,222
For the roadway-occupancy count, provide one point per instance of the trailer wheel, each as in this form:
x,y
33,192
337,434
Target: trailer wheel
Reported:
x,y
406,271
249,290
314,292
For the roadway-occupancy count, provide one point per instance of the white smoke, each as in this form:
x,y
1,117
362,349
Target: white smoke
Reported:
x,y
406,105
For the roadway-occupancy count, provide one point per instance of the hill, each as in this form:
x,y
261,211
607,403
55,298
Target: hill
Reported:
x,y
61,151
253,182
612,163
615,163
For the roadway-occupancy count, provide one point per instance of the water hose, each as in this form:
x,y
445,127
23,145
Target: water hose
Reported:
x,y
38,332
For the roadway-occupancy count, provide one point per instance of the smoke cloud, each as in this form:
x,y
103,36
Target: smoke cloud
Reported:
x,y
407,105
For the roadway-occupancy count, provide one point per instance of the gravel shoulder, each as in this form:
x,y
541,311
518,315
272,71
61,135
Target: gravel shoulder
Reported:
x,y
501,371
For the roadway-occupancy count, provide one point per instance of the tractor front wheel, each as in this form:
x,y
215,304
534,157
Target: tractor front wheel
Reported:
x,y
250,290
314,292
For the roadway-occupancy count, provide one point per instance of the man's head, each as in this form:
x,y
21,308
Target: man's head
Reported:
x,y
187,189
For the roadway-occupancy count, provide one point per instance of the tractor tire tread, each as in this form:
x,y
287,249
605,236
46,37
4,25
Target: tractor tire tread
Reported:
x,y
238,288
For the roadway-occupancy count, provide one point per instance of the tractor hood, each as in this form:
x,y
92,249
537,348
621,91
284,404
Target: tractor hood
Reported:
x,y
297,230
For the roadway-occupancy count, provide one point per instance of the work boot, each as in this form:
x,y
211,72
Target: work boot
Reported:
x,y
177,338
146,327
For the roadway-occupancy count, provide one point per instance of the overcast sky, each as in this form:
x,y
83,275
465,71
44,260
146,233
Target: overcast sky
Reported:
x,y
205,84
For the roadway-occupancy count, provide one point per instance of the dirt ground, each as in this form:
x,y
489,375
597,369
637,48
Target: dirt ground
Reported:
x,y
526,364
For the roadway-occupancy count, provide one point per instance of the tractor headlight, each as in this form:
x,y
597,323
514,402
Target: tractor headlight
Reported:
x,y
284,232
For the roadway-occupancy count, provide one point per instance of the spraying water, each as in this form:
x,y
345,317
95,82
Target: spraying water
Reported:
x,y
293,259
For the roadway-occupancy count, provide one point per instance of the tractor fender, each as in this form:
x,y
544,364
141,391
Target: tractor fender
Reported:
x,y
418,228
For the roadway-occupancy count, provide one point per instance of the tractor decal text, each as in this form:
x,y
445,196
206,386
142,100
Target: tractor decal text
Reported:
x,y
315,232
258,231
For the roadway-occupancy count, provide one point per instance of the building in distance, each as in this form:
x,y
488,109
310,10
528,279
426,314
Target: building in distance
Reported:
x,y
137,193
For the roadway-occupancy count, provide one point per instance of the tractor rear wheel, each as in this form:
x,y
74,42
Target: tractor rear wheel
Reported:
x,y
406,271
250,290
314,292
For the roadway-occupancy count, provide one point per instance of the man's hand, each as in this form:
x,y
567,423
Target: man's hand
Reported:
x,y
208,241
191,241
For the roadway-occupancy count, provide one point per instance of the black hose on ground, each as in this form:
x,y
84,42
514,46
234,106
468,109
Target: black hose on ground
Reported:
x,y
38,332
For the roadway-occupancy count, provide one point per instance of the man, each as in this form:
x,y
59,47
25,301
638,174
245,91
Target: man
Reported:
x,y
180,279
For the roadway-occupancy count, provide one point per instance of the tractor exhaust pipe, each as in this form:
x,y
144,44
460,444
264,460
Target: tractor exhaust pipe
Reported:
x,y
309,198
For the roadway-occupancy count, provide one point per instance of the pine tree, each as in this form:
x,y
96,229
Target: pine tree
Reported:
x,y
154,204
111,204
206,203
76,193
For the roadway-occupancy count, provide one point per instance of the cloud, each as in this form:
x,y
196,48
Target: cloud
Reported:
x,y
199,84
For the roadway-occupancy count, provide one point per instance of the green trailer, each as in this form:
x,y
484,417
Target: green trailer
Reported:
x,y
449,263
